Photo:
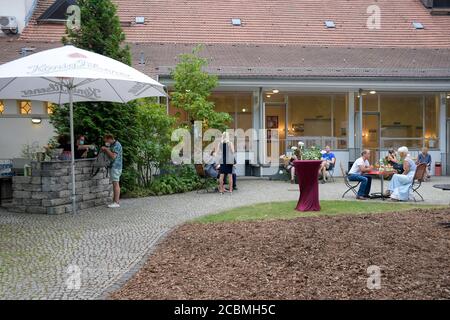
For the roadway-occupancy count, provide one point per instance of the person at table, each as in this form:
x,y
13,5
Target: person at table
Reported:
x,y
82,149
64,144
400,185
425,157
393,161
357,173
225,154
328,163
290,167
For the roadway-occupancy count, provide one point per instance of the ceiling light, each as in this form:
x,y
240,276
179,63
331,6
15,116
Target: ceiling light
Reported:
x,y
275,91
244,110
268,96
36,120
372,92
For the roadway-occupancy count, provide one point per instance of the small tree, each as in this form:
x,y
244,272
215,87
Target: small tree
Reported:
x,y
100,32
155,129
193,87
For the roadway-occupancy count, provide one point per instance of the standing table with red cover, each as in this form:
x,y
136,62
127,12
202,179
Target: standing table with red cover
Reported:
x,y
307,172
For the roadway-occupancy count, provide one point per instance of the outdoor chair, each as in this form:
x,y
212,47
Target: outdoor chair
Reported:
x,y
331,173
349,184
419,177
204,179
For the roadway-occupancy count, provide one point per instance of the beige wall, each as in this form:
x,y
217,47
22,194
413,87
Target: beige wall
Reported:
x,y
17,130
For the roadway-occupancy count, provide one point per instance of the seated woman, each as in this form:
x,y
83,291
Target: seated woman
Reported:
x,y
400,185
393,161
290,167
211,167
64,143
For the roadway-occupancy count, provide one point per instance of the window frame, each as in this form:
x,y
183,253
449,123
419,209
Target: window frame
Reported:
x,y
19,106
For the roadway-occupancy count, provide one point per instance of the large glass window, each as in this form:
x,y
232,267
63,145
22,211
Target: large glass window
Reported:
x,y
431,121
318,119
238,105
409,120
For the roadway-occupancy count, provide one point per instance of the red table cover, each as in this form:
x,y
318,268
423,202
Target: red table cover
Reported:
x,y
307,172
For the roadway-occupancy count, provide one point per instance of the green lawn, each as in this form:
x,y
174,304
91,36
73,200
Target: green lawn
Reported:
x,y
285,210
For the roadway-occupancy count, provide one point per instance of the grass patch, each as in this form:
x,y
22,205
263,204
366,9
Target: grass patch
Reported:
x,y
285,210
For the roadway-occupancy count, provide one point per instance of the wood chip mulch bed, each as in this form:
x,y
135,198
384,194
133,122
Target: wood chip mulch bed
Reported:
x,y
305,258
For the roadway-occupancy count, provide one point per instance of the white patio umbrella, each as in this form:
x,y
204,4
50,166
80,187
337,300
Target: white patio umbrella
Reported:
x,y
69,74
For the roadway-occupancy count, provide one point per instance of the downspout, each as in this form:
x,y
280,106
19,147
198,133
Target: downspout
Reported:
x,y
30,11
360,121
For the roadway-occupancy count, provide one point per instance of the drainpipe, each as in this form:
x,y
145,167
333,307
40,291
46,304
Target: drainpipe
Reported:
x,y
360,121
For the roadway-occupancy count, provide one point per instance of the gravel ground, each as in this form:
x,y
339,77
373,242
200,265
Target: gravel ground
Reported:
x,y
43,257
305,258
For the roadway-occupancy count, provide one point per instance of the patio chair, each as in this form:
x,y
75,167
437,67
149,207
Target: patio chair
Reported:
x,y
204,179
419,177
331,173
349,184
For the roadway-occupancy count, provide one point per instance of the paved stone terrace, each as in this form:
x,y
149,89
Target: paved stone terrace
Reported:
x,y
36,251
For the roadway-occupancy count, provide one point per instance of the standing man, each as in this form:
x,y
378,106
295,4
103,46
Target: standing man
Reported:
x,y
113,150
328,163
356,173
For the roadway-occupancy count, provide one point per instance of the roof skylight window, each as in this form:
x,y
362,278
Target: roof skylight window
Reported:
x,y
330,24
418,25
236,22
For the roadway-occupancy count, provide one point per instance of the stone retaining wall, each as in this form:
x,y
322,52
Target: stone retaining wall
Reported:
x,y
48,190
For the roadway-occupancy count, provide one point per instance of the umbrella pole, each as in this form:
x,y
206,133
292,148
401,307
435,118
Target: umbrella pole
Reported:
x,y
72,149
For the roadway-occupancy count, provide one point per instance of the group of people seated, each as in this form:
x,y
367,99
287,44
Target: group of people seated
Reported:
x,y
400,185
81,147
424,157
327,165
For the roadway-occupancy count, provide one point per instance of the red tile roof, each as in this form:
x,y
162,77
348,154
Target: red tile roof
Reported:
x,y
295,61
279,61
270,22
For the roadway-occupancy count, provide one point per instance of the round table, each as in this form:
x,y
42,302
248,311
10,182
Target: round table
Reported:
x,y
307,172
445,187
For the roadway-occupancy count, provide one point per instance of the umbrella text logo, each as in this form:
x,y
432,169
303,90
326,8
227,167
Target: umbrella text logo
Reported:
x,y
88,93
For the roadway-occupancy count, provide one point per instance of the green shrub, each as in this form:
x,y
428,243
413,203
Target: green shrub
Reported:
x,y
174,179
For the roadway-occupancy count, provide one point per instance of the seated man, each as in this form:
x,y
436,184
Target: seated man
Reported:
x,y
328,163
211,167
356,173
425,157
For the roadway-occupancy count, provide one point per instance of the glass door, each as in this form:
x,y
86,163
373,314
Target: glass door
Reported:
x,y
371,135
275,119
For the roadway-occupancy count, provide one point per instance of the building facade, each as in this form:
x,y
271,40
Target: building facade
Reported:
x,y
347,75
